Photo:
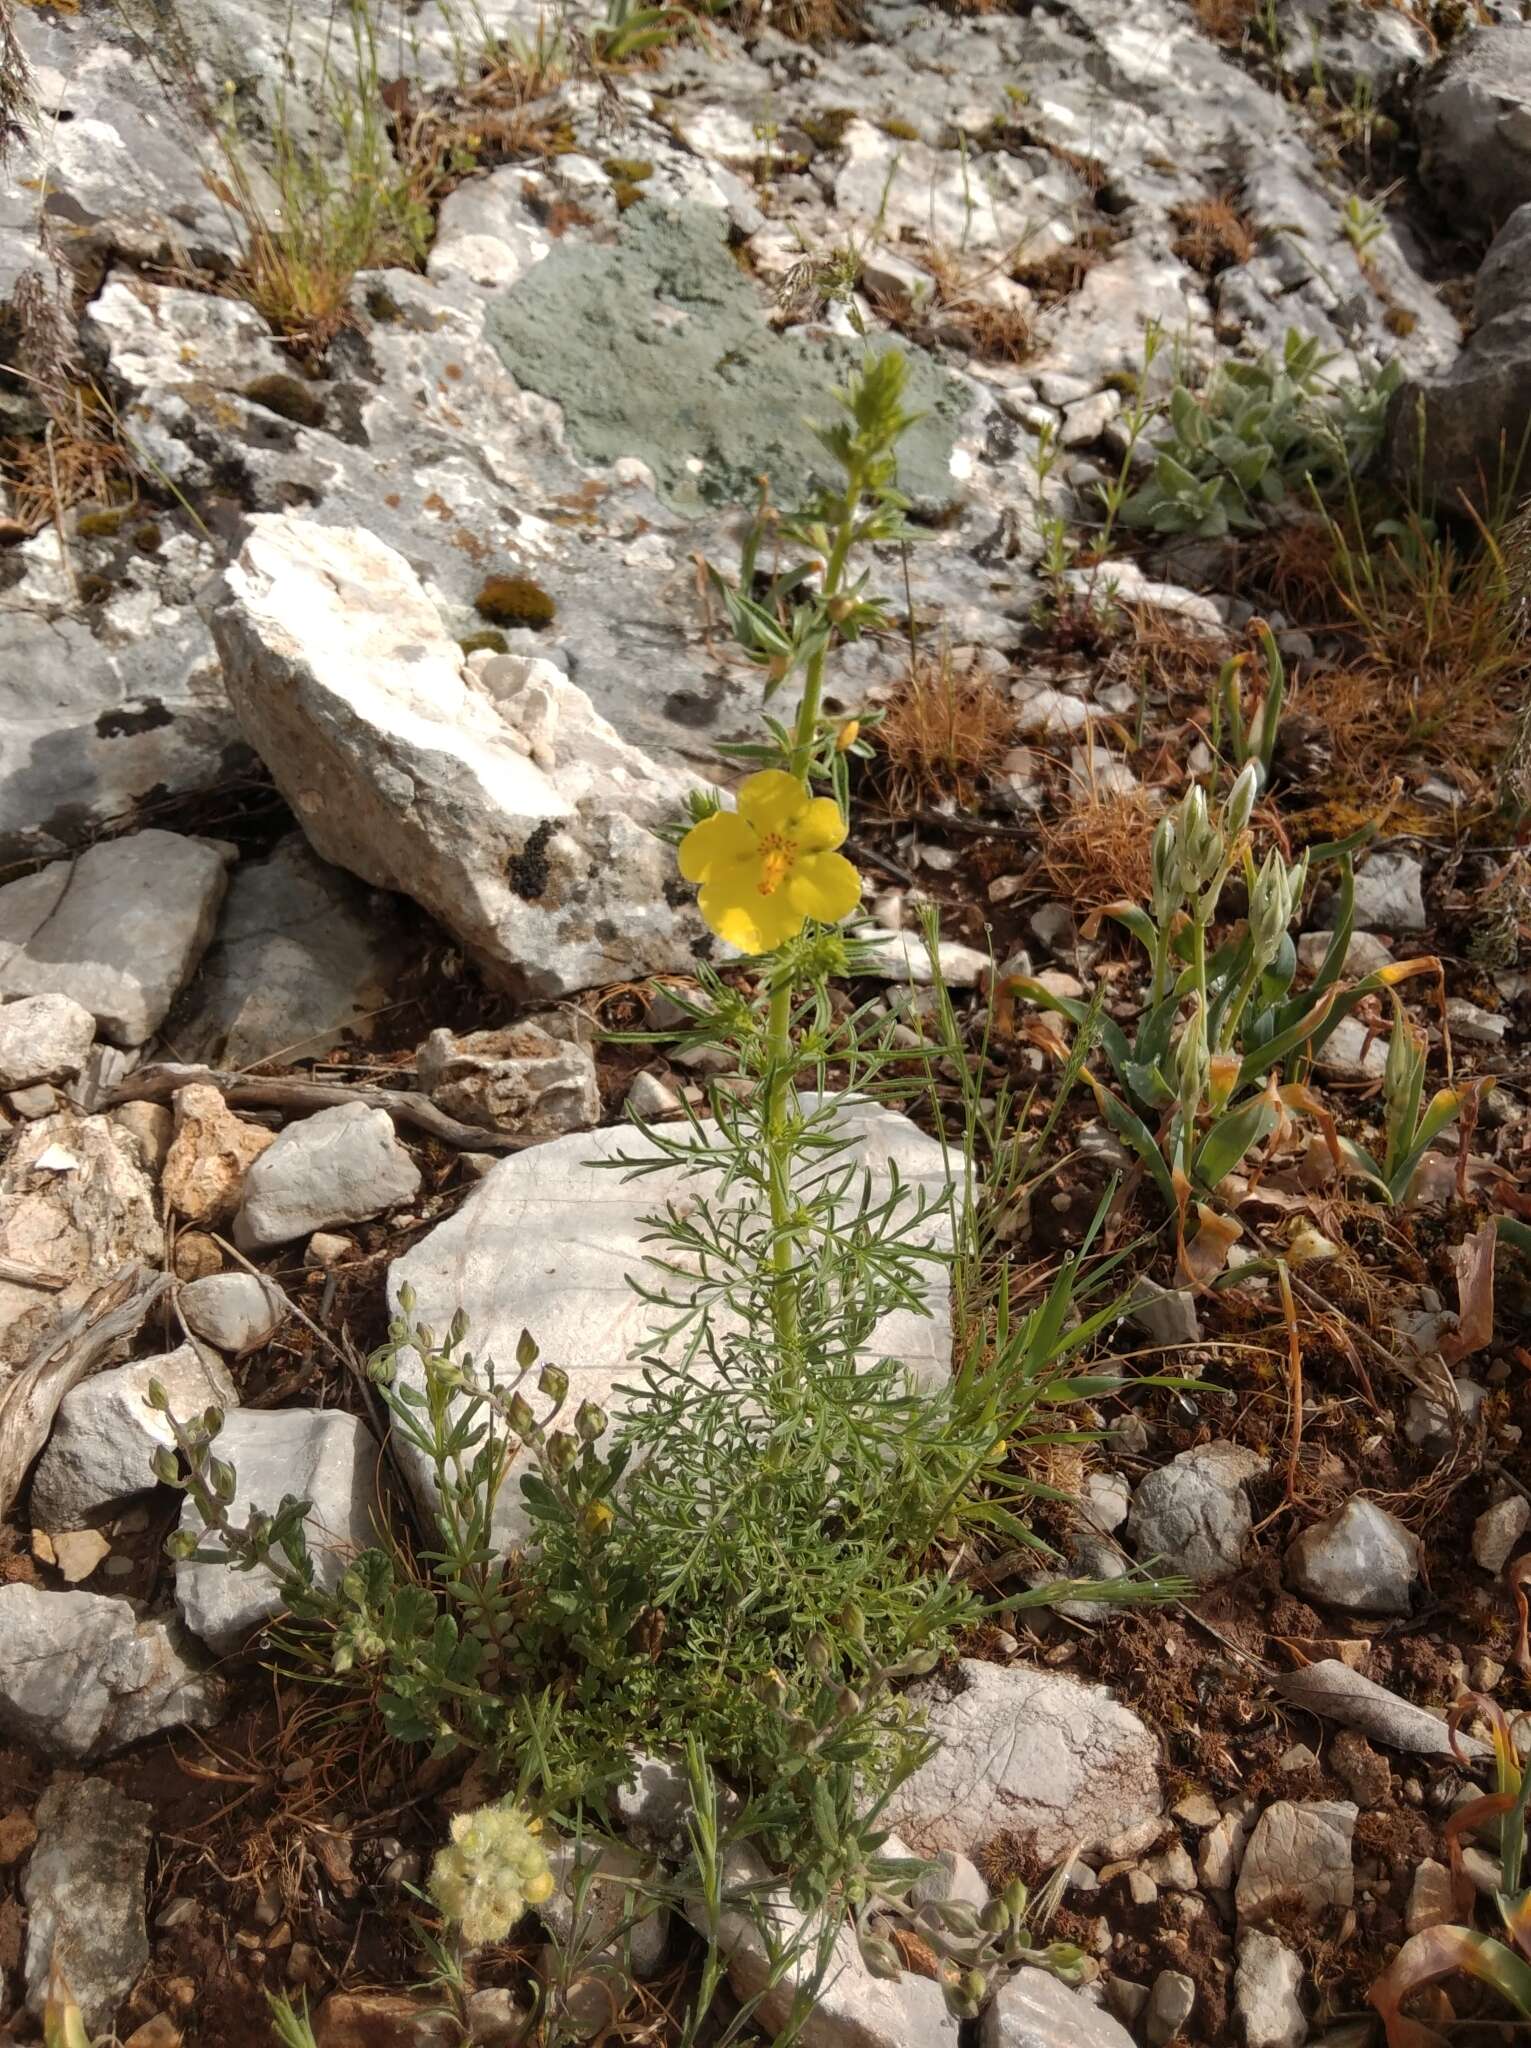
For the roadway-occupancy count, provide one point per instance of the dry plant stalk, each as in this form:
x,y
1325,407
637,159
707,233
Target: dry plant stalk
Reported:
x,y
946,730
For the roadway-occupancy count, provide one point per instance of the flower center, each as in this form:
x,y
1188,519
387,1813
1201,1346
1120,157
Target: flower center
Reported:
x,y
777,854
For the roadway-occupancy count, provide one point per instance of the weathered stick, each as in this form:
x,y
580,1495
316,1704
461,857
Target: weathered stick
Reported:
x,y
255,1091
29,1401
31,1276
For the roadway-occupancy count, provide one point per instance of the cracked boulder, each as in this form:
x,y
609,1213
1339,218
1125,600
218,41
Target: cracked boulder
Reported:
x,y
84,1676
493,794
75,1203
1033,1755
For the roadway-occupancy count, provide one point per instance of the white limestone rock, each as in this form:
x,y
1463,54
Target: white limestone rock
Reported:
x,y
84,1676
341,1165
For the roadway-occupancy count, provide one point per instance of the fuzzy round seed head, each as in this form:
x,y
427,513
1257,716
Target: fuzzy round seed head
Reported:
x,y
493,1868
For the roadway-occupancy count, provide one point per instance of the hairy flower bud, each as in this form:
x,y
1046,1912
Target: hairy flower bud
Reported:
x,y
553,1381
519,1413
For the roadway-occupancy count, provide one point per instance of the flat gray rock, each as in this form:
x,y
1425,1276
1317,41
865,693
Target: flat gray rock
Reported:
x,y
1298,1858
1267,1992
316,1455
105,1434
341,1165
302,953
1474,118
544,1243
1032,1754
119,930
1033,2010
84,1676
85,1893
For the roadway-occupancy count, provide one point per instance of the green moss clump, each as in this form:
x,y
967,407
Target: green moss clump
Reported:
x,y
626,195
901,131
515,601
99,525
289,397
383,306
627,170
94,589
147,538
490,641
826,130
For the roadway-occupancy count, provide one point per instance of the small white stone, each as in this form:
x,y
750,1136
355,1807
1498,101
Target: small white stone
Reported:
x,y
1497,1531
1267,1993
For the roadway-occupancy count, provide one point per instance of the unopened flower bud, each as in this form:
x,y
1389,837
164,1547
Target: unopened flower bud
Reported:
x,y
158,1398
1241,798
561,1451
881,1958
590,1422
553,1381
518,1411
165,1466
995,1917
817,1653
958,1918
847,736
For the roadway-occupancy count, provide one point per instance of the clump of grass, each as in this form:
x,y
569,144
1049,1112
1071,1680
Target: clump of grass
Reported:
x,y
1226,21
1060,273
945,731
1097,851
1214,235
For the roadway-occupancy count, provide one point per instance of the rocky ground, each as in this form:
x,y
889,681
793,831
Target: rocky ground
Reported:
x,y
349,675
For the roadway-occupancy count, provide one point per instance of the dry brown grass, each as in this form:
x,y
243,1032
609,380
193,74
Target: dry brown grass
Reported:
x,y
947,729
1213,236
967,302
1163,657
1096,852
1226,21
1061,272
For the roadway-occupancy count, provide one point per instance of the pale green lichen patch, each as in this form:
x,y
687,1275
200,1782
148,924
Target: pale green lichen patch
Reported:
x,y
658,347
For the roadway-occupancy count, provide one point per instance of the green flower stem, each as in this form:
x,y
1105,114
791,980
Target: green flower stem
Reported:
x,y
779,1167
813,681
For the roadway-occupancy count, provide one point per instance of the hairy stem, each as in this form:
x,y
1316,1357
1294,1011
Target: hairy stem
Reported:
x,y
779,1167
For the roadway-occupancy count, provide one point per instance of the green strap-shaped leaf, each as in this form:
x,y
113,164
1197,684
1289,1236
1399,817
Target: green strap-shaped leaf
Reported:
x,y
1229,1139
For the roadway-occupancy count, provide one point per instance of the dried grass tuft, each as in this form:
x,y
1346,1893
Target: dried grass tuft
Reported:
x,y
1213,236
947,729
1096,852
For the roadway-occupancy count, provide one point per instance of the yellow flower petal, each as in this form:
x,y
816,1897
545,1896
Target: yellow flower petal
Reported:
x,y
824,886
772,801
722,837
821,828
752,922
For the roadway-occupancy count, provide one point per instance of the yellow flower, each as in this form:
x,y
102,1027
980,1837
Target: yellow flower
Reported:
x,y
767,867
